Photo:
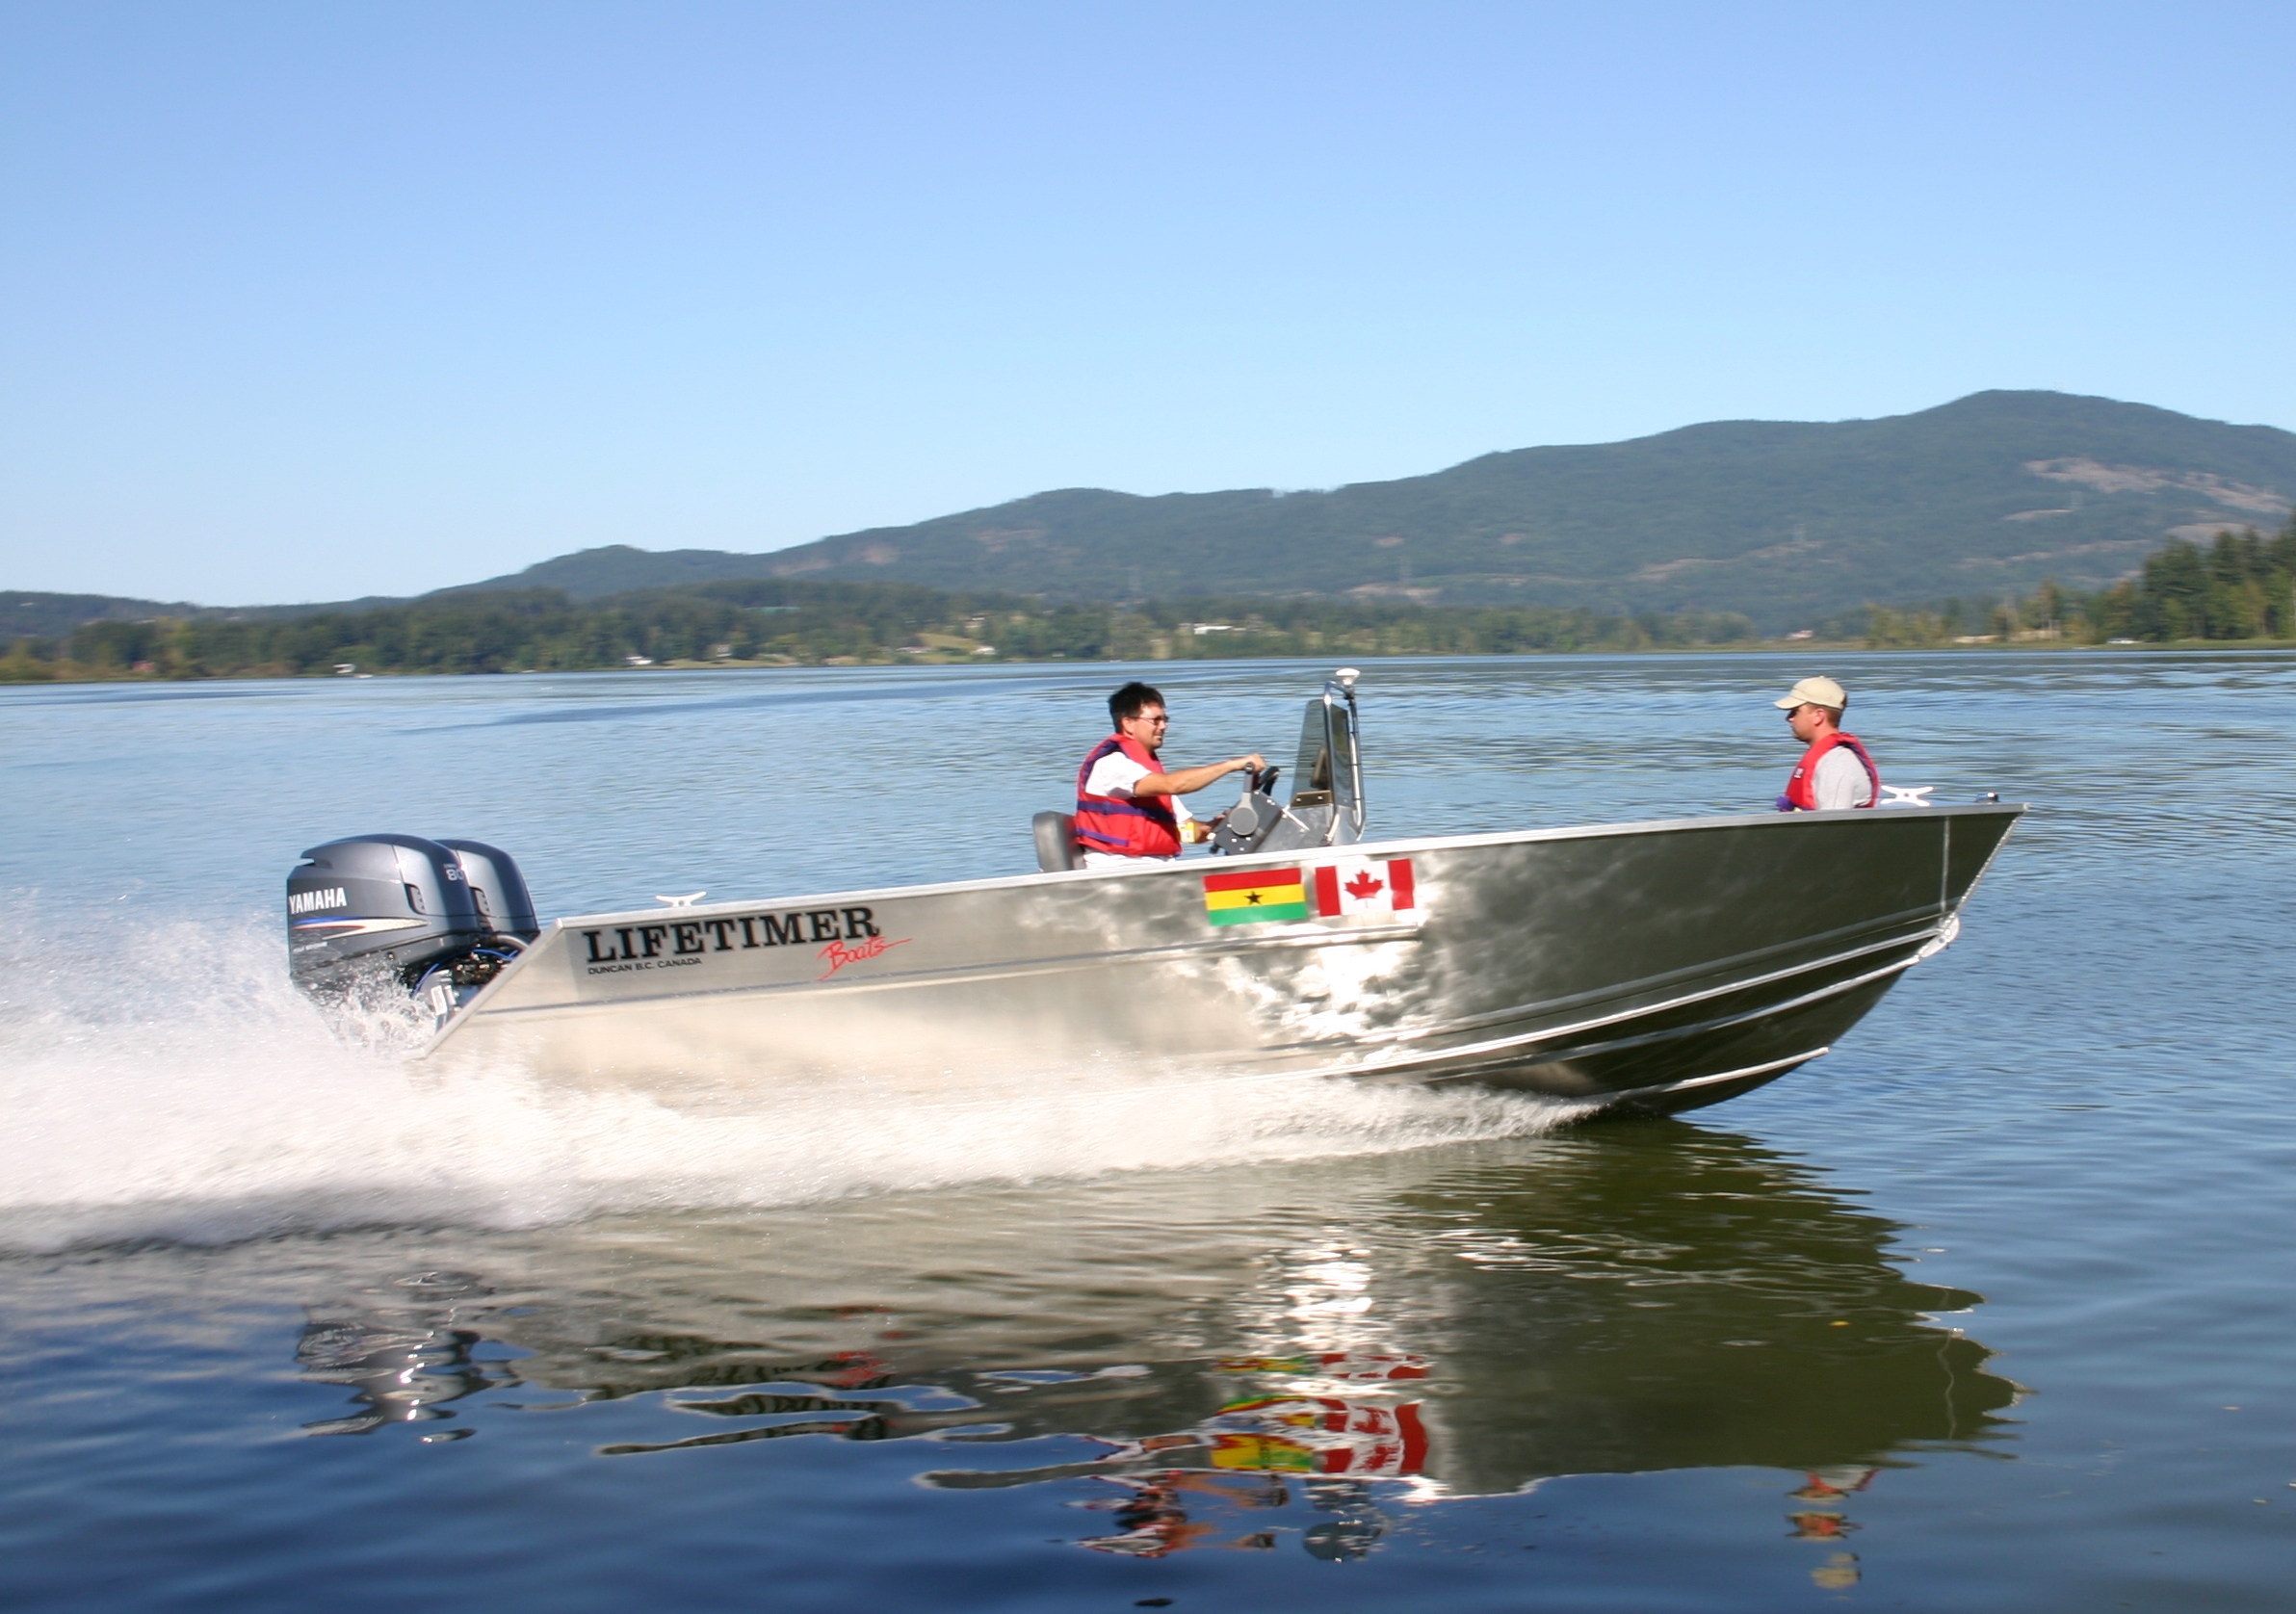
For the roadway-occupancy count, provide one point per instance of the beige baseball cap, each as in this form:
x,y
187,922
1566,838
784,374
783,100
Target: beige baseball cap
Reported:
x,y
1814,692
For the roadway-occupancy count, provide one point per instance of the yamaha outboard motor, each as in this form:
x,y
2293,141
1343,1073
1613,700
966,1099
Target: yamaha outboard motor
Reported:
x,y
402,908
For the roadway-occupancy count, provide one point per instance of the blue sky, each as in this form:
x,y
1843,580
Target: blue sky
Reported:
x,y
308,301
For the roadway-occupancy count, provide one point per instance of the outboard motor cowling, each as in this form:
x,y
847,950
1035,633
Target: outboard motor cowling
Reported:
x,y
379,904
497,888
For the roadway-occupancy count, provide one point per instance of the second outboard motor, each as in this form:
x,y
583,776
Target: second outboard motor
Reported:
x,y
378,905
504,902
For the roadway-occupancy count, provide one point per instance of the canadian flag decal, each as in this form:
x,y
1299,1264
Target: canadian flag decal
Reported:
x,y
1361,885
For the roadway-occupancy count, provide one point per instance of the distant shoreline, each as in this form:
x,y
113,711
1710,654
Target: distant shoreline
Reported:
x,y
2239,592
1830,648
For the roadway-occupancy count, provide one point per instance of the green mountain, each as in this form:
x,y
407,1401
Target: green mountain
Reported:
x,y
30,615
592,574
1788,522
27,614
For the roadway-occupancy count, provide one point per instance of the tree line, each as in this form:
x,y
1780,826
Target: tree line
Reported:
x,y
794,622
2241,585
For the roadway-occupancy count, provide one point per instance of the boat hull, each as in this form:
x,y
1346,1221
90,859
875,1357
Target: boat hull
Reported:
x,y
1647,967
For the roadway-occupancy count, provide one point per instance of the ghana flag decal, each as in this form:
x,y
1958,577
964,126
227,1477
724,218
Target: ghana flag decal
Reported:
x,y
1253,897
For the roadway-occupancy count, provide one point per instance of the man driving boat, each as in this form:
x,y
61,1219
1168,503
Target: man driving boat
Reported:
x,y
1127,803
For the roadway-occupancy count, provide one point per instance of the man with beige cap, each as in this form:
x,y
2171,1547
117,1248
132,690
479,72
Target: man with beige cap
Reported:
x,y
1835,771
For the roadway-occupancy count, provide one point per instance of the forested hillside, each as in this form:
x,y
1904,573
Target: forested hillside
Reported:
x,y
1786,523
29,614
2004,516
2241,586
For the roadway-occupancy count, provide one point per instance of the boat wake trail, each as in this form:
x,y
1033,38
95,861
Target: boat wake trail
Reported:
x,y
171,1085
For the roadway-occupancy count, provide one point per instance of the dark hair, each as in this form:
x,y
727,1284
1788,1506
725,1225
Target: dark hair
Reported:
x,y
1128,701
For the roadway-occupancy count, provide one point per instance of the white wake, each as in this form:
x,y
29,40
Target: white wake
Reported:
x,y
167,1083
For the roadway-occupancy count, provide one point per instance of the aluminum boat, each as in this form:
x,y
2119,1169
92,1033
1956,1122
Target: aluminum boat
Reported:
x,y
1642,967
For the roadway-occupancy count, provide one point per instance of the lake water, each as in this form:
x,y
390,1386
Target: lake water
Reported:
x,y
1994,1308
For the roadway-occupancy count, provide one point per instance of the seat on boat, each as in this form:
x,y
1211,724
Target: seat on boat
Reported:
x,y
1055,840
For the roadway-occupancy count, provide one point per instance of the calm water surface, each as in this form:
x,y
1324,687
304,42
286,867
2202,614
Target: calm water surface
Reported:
x,y
1993,1309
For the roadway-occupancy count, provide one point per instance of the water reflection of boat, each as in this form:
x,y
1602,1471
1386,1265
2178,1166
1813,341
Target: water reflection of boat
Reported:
x,y
403,1350
1469,1320
1655,966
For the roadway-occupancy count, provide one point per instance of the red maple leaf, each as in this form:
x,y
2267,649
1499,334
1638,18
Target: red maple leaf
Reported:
x,y
1363,887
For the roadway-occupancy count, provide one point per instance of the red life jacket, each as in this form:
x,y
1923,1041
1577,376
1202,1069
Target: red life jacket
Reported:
x,y
1801,790
1129,826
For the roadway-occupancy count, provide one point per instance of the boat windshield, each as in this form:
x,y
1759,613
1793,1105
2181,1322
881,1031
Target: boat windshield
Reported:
x,y
1311,775
1328,775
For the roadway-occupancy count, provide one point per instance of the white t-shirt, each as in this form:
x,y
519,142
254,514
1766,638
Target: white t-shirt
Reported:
x,y
1842,780
1116,774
